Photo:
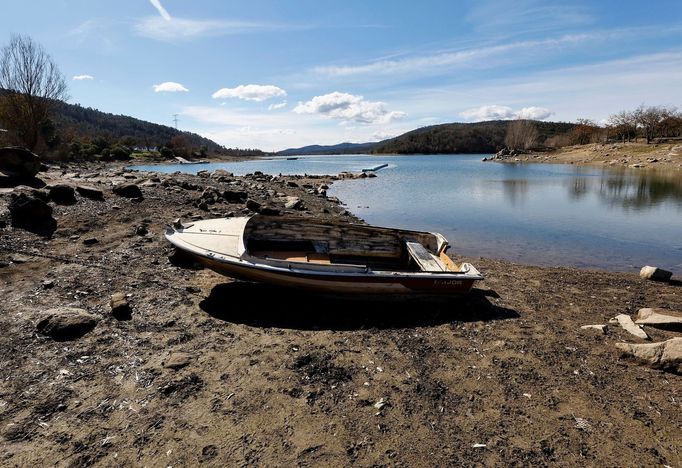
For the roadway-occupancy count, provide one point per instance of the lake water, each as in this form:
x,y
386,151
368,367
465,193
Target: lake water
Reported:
x,y
543,214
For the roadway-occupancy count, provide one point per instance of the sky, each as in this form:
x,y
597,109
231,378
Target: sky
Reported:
x,y
277,74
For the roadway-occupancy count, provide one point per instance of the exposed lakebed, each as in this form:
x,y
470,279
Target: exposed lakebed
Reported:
x,y
544,214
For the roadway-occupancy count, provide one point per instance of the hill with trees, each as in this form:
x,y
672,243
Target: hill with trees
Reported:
x,y
341,148
479,137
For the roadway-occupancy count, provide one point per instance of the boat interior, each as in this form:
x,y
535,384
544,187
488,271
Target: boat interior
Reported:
x,y
331,243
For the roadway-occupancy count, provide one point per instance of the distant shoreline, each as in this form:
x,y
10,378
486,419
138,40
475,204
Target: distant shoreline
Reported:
x,y
627,155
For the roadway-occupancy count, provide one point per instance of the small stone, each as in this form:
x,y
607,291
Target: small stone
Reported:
x,y
19,259
253,205
628,325
293,203
601,328
120,308
178,360
269,211
193,289
655,274
90,241
128,191
141,230
48,284
66,323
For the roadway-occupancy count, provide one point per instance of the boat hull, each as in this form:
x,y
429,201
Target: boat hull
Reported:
x,y
342,284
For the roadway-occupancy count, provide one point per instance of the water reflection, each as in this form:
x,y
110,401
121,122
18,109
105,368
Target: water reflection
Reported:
x,y
623,188
516,190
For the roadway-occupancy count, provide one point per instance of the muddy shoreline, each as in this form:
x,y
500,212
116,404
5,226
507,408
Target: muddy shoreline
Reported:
x,y
662,157
206,370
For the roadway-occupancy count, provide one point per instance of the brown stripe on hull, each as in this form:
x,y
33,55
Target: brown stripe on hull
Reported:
x,y
343,283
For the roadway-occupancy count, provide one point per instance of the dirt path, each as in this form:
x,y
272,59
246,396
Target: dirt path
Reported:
x,y
271,377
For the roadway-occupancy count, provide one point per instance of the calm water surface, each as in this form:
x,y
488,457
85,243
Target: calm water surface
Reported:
x,y
542,214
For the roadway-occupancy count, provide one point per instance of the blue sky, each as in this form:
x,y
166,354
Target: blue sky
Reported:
x,y
276,74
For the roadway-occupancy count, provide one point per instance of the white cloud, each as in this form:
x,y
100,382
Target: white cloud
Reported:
x,y
488,113
279,105
506,53
250,92
162,11
348,107
270,131
83,77
534,113
169,87
177,29
495,112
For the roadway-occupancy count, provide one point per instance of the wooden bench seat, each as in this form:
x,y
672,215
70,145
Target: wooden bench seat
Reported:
x,y
423,258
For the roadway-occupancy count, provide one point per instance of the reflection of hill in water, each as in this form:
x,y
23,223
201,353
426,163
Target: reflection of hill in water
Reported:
x,y
631,190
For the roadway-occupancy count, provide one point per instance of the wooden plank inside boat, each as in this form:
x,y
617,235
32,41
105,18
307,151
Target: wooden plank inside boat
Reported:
x,y
425,259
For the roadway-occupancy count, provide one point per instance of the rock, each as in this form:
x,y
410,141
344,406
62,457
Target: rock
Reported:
x,y
253,205
90,192
31,212
665,355
90,241
655,274
269,211
203,174
19,162
291,183
66,323
178,360
234,196
293,203
120,307
659,318
601,328
128,191
141,230
62,194
48,284
629,326
221,173
19,259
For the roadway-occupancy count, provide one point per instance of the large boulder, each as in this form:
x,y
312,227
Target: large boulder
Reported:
x,y
128,191
666,355
659,318
66,323
235,195
28,211
90,192
62,194
19,162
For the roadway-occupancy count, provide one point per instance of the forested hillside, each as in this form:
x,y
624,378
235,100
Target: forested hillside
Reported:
x,y
479,137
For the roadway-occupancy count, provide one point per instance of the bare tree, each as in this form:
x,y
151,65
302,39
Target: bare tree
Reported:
x,y
521,134
650,118
623,125
31,82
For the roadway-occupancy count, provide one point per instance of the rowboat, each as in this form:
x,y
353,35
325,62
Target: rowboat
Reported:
x,y
327,256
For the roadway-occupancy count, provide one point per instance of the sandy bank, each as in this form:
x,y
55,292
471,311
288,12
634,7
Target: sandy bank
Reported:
x,y
210,370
